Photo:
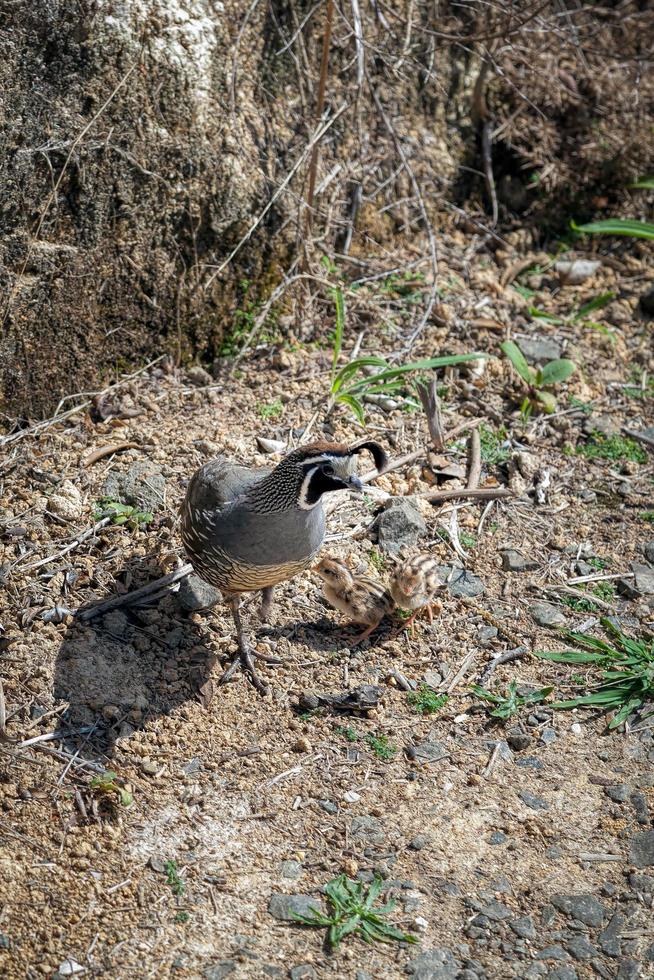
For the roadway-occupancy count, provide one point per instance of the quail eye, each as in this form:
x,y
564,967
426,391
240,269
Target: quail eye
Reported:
x,y
328,469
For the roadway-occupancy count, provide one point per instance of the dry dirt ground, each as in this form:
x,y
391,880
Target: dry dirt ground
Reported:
x,y
518,850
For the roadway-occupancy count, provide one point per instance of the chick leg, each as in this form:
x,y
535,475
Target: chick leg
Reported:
x,y
366,633
267,597
245,657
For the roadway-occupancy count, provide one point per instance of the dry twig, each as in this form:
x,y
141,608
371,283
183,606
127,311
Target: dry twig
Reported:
x,y
131,597
431,403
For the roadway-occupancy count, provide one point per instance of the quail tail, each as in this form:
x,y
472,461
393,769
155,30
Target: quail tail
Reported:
x,y
245,657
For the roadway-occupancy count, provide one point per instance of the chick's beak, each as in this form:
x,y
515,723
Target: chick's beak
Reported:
x,y
355,483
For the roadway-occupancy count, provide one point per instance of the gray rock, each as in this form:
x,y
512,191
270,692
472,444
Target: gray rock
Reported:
x,y
575,272
609,939
641,850
434,964
524,927
638,801
601,425
328,806
580,949
562,973
486,635
198,377
547,736
533,802
619,793
291,870
513,561
648,551
433,678
497,837
643,578
362,975
545,614
642,883
628,970
554,952
5,941
627,587
286,907
194,593
302,972
554,852
582,908
535,971
519,741
142,486
420,842
495,911
368,829
399,525
539,350
428,752
219,970
460,582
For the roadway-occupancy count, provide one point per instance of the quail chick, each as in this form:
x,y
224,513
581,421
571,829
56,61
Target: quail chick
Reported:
x,y
414,584
365,600
246,530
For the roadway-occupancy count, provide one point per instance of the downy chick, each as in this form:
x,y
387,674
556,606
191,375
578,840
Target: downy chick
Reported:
x,y
414,584
365,600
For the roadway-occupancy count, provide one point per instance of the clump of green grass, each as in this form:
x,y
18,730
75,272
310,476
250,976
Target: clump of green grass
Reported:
x,y
173,879
619,449
182,916
648,515
353,913
121,513
381,746
347,732
603,590
598,563
627,672
426,701
377,560
493,451
504,706
270,410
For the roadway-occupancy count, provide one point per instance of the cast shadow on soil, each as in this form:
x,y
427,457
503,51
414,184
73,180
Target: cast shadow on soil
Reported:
x,y
128,666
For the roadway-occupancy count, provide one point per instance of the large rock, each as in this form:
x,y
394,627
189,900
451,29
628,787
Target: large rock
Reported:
x,y
142,486
399,525
434,964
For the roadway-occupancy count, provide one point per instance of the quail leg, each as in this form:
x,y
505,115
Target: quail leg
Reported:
x,y
245,657
267,598
366,633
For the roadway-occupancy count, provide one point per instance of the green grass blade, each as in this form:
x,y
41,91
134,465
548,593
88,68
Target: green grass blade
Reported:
x,y
353,367
595,304
643,183
354,404
518,360
617,226
570,657
431,363
537,314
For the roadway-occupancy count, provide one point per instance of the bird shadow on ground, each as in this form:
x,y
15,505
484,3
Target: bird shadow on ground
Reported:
x,y
128,666
325,636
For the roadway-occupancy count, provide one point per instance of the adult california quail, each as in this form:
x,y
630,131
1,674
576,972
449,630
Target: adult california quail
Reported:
x,y
246,530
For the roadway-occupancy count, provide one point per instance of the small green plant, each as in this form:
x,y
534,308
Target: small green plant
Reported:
x,y
603,590
353,913
648,515
627,671
270,410
347,732
182,916
351,384
381,746
580,315
585,407
121,513
173,879
598,563
409,286
377,560
426,701
538,379
507,705
106,785
493,444
616,448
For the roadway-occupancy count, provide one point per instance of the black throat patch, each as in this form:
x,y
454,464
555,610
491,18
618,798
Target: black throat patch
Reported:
x,y
321,483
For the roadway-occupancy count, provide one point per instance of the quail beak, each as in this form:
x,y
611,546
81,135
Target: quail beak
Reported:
x,y
355,483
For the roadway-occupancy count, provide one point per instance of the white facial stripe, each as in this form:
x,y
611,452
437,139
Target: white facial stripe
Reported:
x,y
303,503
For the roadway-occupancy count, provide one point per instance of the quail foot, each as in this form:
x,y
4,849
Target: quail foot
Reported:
x,y
414,585
365,600
247,530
